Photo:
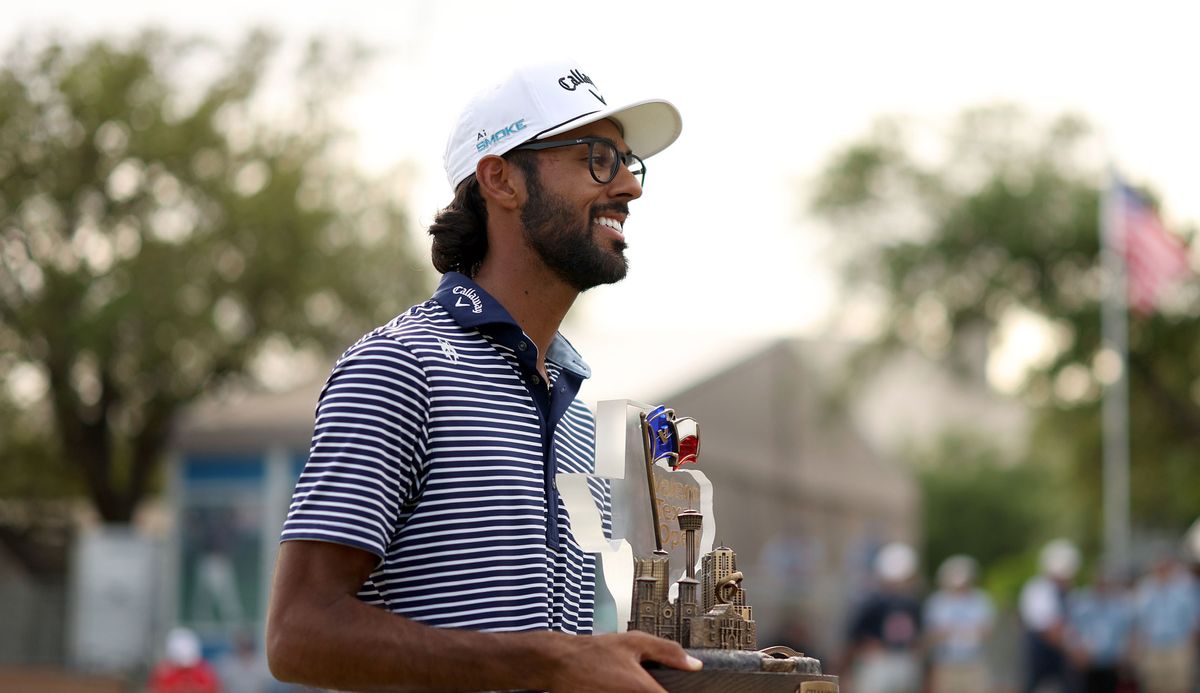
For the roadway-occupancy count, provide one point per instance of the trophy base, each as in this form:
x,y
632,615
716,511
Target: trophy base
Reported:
x,y
747,671
717,681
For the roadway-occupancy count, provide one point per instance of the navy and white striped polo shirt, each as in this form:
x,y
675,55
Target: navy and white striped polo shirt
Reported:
x,y
435,448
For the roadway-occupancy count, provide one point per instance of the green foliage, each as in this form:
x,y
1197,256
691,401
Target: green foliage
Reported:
x,y
158,236
1005,577
962,233
977,501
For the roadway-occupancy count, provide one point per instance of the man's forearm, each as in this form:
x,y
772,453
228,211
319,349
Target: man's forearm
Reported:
x,y
320,634
349,645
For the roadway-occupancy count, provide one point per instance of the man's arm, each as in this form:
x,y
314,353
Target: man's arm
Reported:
x,y
320,634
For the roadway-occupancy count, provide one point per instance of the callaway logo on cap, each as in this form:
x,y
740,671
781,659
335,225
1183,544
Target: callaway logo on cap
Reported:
x,y
545,100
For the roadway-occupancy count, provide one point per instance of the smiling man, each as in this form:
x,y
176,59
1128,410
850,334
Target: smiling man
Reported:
x,y
426,547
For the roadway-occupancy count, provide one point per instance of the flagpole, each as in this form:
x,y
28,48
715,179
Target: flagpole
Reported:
x,y
1114,318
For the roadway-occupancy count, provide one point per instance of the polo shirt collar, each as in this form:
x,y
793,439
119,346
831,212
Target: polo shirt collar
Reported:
x,y
468,303
563,353
472,307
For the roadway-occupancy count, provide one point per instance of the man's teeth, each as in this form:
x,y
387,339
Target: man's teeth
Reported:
x,y
612,223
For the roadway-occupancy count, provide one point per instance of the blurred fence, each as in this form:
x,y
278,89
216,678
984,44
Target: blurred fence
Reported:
x,y
32,631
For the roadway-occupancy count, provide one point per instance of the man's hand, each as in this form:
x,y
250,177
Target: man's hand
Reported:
x,y
614,662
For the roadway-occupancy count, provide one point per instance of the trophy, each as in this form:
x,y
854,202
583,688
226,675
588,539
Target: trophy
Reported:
x,y
660,553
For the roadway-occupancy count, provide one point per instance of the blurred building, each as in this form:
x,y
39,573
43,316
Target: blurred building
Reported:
x,y
799,491
234,462
102,598
33,586
808,482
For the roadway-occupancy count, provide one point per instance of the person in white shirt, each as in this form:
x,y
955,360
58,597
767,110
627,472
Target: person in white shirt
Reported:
x,y
1043,607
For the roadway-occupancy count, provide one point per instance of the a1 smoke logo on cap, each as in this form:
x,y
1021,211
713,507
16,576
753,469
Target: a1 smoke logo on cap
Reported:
x,y
482,141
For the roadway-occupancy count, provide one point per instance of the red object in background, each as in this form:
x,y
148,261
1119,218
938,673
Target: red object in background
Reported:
x,y
1154,258
174,678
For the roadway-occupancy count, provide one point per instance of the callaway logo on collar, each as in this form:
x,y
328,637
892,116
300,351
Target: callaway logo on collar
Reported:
x,y
467,297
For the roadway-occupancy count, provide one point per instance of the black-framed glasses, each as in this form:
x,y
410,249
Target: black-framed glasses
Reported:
x,y
604,159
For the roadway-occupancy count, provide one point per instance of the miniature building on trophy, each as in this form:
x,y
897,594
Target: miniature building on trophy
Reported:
x,y
707,613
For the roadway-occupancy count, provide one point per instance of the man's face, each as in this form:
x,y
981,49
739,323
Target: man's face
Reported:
x,y
574,224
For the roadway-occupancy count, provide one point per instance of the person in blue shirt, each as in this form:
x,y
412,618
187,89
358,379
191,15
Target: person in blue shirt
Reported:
x,y
958,619
1166,627
1099,632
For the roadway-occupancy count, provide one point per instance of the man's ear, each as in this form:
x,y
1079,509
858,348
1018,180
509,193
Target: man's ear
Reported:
x,y
500,182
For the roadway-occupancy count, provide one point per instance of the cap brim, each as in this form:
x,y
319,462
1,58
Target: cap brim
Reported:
x,y
648,126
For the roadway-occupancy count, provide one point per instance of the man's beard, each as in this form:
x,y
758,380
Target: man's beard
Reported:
x,y
567,244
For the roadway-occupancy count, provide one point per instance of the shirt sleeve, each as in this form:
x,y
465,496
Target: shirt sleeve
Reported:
x,y
1039,605
933,615
366,460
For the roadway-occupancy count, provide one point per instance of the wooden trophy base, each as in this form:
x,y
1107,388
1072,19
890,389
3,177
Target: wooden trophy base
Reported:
x,y
717,681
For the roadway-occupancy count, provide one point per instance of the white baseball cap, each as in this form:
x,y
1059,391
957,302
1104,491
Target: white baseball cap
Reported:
x,y
1059,559
957,571
540,101
896,562
183,647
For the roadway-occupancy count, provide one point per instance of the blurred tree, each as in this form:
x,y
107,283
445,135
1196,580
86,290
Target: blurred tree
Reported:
x,y
988,236
160,238
976,500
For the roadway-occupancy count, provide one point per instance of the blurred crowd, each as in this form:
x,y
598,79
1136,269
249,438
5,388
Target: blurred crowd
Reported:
x,y
1110,632
184,668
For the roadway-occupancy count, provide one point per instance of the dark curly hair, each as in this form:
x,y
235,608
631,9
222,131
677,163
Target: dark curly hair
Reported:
x,y
459,229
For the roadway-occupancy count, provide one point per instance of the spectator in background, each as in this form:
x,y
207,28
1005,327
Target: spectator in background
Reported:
x,y
243,670
1100,622
1043,608
1191,548
1166,616
1191,552
958,619
183,669
884,653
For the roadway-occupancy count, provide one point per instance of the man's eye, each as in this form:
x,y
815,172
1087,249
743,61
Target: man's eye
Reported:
x,y
603,156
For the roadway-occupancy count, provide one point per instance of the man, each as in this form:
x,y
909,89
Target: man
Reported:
x,y
1043,609
958,619
1166,626
885,630
183,669
1100,622
426,547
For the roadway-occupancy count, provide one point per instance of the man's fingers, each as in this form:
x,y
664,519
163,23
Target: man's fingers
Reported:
x,y
667,653
690,663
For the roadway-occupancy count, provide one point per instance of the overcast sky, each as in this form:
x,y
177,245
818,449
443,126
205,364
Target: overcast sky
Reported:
x,y
767,91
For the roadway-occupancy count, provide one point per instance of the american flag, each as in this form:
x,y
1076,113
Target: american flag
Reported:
x,y
1154,258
